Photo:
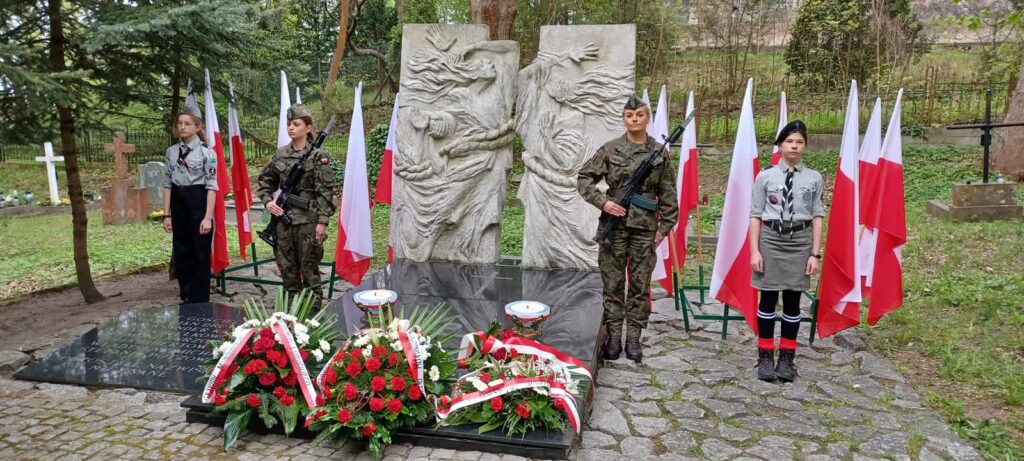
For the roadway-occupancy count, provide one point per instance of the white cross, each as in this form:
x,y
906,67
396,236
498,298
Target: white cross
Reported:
x,y
51,172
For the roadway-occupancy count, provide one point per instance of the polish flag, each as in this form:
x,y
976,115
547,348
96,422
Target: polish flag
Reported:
x,y
730,278
282,120
659,131
870,151
219,258
298,96
891,217
839,297
650,122
240,186
355,241
783,120
385,177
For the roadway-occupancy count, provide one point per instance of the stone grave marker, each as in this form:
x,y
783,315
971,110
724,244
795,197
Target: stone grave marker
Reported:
x,y
51,171
151,177
122,202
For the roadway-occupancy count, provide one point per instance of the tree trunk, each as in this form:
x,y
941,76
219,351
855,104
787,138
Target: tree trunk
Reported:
x,y
1008,156
79,220
497,15
175,101
339,51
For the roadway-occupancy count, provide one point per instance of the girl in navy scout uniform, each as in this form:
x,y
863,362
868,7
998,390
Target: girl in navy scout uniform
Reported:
x,y
190,188
785,247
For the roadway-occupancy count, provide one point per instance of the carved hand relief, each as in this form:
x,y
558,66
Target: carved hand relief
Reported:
x,y
456,144
569,102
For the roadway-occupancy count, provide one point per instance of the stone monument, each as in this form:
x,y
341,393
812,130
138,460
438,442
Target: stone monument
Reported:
x,y
151,178
455,116
123,203
569,103
980,202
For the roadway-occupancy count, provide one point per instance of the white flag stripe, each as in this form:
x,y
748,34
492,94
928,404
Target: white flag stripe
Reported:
x,y
848,155
282,121
355,195
659,130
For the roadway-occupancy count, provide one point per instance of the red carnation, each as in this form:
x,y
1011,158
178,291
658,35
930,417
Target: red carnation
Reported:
x,y
353,369
344,416
303,354
351,392
219,400
408,371
557,404
279,392
244,351
372,364
331,376
280,359
523,410
377,383
287,400
369,429
515,354
291,380
486,378
255,367
444,401
394,405
499,354
415,393
327,393
268,378
232,369
379,352
267,333
376,404
263,345
507,333
253,400
496,404
393,359
398,384
462,363
320,400
356,354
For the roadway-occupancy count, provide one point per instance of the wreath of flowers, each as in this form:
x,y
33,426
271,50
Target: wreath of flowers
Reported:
x,y
263,366
382,379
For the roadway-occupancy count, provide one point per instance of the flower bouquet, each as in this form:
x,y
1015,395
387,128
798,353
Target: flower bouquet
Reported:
x,y
516,384
383,378
263,366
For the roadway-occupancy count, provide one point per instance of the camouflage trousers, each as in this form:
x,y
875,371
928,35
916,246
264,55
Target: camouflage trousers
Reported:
x,y
298,258
627,256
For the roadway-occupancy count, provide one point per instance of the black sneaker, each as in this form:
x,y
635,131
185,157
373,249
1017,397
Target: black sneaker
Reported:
x,y
785,370
766,365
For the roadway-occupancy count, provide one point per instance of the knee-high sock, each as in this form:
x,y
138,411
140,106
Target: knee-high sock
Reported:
x,y
766,319
790,319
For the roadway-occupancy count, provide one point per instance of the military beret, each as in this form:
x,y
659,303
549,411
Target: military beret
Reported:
x,y
633,103
796,126
298,111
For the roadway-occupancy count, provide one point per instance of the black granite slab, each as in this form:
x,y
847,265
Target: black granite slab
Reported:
x,y
157,348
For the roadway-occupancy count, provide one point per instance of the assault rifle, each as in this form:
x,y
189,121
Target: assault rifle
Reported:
x,y
269,234
635,182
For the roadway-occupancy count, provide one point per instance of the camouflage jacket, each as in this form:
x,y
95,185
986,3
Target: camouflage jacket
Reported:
x,y
312,201
615,162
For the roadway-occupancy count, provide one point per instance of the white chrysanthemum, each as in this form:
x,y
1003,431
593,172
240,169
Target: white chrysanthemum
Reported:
x,y
318,354
361,341
278,314
239,332
366,353
290,318
224,347
396,346
216,353
269,322
326,346
435,374
541,390
313,323
301,329
302,339
252,323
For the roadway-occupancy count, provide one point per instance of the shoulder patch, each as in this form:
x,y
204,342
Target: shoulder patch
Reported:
x,y
770,166
325,161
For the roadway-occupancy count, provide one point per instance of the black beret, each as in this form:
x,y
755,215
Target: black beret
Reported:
x,y
796,126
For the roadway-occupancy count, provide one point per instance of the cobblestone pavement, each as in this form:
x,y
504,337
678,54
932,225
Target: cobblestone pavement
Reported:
x,y
694,397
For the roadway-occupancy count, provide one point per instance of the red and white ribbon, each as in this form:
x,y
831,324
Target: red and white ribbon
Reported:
x,y
489,344
217,374
556,391
410,341
295,357
321,380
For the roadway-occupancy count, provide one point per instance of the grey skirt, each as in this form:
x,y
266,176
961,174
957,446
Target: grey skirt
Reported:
x,y
785,259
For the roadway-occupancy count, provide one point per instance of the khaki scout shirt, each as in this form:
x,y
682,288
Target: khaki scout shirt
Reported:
x,y
768,194
615,162
316,188
200,165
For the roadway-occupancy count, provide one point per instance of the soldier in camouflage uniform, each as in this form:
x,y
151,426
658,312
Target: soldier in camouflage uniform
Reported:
x,y
300,246
630,247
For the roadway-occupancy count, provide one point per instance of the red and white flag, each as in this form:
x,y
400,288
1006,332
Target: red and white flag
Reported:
x,y
730,278
659,130
355,241
240,186
385,177
219,257
282,120
298,96
891,218
839,297
870,151
783,120
650,122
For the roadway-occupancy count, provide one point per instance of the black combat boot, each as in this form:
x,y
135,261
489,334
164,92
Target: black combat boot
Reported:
x,y
785,370
766,364
613,344
634,350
